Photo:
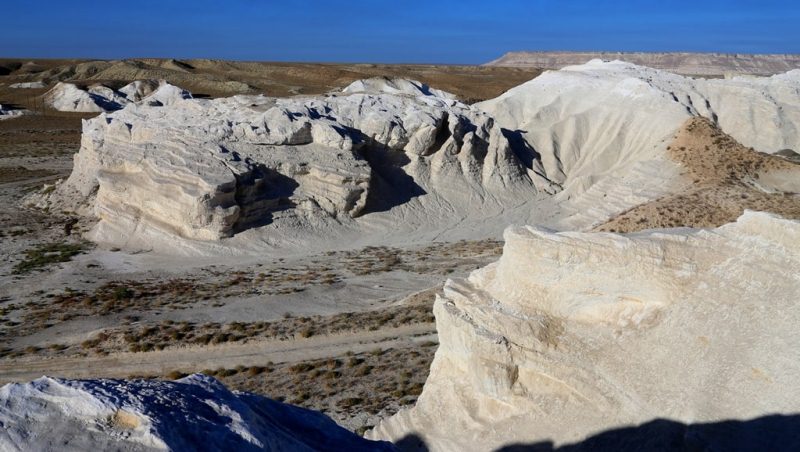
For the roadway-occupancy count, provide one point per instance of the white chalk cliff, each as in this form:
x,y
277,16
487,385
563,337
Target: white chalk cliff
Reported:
x,y
206,169
194,413
66,96
601,129
394,158
571,334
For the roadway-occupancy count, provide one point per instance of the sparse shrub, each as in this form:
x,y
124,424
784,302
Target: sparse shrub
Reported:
x,y
175,375
47,254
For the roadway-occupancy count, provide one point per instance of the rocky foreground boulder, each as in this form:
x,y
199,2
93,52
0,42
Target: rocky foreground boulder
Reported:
x,y
194,413
572,335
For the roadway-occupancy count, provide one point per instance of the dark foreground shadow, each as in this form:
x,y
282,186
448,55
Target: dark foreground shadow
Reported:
x,y
768,433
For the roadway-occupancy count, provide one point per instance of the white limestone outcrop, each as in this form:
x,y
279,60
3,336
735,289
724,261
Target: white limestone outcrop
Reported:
x,y
601,129
194,413
67,96
571,334
28,85
8,113
418,161
206,169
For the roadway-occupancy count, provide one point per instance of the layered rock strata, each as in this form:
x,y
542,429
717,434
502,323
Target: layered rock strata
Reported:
x,y
573,334
206,169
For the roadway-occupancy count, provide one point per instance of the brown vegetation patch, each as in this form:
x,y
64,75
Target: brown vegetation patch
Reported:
x,y
724,175
377,382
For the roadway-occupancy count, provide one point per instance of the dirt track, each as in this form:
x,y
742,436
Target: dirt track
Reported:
x,y
195,359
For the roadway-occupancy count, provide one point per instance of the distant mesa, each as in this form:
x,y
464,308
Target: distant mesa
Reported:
x,y
703,64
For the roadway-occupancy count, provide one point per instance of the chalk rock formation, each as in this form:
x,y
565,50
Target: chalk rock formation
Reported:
x,y
97,98
28,85
571,334
137,90
164,94
395,86
8,113
206,169
601,129
194,413
100,98
679,63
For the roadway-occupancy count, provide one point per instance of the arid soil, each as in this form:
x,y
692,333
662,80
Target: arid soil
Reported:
x,y
224,78
726,178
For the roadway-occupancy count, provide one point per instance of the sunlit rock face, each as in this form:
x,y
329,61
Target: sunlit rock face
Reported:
x,y
65,96
572,334
207,169
601,129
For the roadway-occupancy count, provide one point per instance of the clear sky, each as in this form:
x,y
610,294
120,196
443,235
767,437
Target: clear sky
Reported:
x,y
424,31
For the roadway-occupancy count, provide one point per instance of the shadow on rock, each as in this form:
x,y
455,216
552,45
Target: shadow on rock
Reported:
x,y
412,442
768,433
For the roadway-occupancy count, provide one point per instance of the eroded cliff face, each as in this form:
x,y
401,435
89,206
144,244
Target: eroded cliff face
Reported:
x,y
571,334
206,169
596,135
601,129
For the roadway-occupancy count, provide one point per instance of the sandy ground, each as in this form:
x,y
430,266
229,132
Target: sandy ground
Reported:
x,y
195,359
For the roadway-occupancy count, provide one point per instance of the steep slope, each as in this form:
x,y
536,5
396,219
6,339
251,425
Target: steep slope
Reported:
x,y
726,178
571,334
602,129
708,64
194,413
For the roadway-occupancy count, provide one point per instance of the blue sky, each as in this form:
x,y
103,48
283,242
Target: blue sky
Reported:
x,y
458,32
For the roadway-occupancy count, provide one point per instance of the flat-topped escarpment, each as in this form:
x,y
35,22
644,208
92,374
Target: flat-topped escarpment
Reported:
x,y
706,64
572,334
